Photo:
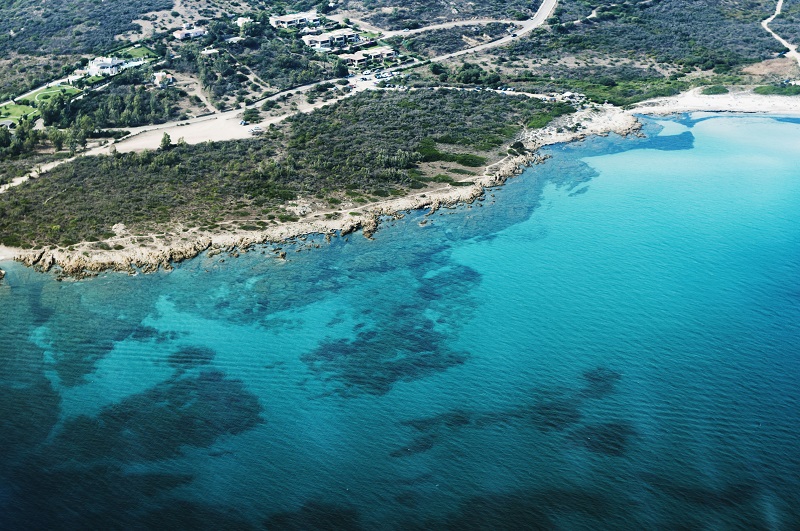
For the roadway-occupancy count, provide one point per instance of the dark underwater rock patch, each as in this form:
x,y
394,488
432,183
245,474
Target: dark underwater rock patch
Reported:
x,y
454,281
451,419
191,356
27,414
599,382
418,445
555,412
94,497
432,429
158,423
183,515
609,438
315,516
405,350
732,495
526,509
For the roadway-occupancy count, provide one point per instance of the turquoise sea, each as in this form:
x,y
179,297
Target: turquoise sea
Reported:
x,y
609,341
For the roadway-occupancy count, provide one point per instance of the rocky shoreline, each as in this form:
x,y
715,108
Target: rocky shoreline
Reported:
x,y
173,247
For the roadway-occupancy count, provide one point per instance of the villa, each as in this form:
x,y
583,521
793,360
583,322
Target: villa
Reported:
x,y
309,18
361,58
163,79
332,39
183,34
105,66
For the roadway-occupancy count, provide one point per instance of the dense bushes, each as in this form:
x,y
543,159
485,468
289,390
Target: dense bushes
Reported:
x,y
368,144
444,41
119,105
415,13
694,33
68,26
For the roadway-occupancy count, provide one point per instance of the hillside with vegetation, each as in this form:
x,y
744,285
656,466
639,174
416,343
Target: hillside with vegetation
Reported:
x,y
787,24
365,148
64,27
707,34
41,41
413,14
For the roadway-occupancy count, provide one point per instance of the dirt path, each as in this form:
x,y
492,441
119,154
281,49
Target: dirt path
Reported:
x,y
792,47
192,87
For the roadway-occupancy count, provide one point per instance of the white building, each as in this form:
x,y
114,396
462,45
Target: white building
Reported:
x,y
332,39
309,18
163,79
241,21
361,58
183,34
105,66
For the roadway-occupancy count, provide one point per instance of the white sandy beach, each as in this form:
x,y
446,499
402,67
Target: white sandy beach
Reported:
x,y
738,100
7,253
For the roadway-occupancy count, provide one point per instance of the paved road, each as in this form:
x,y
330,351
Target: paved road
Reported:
x,y
527,26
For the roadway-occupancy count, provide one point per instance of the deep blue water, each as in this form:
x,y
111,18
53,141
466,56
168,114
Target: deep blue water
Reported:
x,y
610,340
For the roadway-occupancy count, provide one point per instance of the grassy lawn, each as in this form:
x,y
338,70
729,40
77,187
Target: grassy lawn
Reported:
x,y
91,80
47,92
136,52
15,112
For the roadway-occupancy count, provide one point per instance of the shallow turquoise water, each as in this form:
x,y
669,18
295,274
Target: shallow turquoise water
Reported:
x,y
608,341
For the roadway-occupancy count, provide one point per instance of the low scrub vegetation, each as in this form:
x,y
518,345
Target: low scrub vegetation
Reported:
x,y
369,145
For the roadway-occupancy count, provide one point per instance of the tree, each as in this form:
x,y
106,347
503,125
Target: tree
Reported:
x,y
5,137
57,137
166,142
340,70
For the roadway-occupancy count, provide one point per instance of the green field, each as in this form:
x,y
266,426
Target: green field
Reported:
x,y
14,112
135,52
47,92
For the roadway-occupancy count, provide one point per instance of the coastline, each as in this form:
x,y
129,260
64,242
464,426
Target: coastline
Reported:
x,y
177,244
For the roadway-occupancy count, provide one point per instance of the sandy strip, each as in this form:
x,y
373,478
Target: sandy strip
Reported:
x,y
7,253
738,100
